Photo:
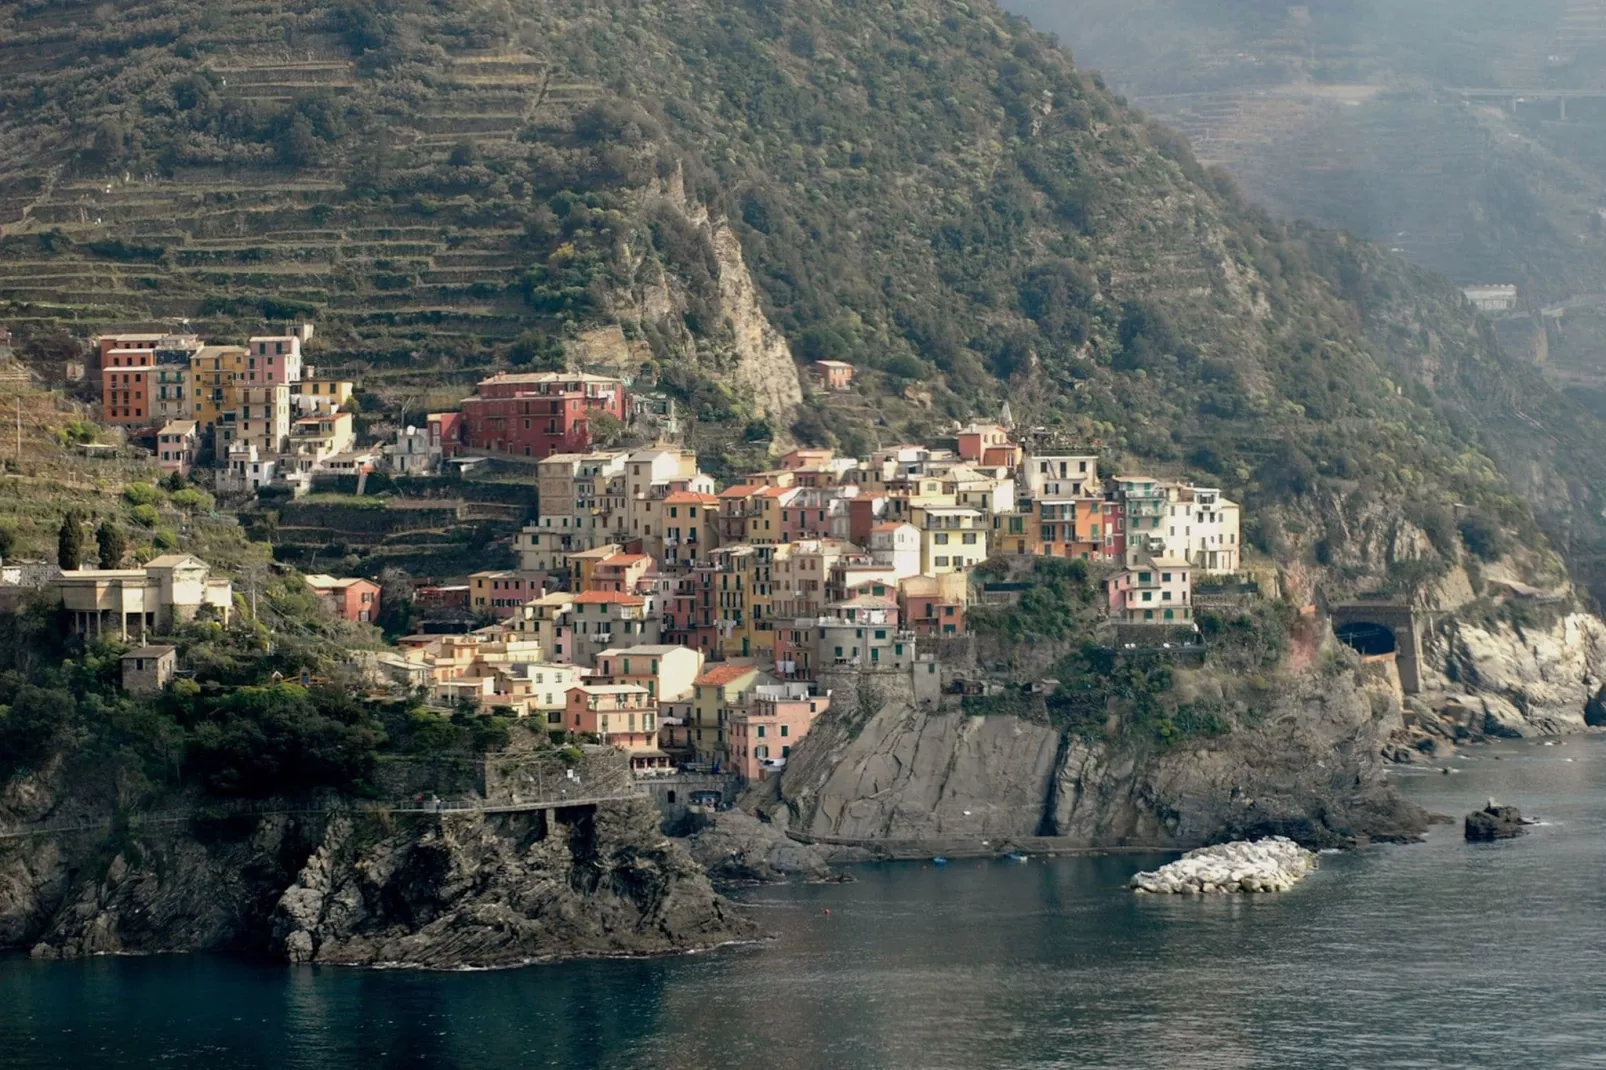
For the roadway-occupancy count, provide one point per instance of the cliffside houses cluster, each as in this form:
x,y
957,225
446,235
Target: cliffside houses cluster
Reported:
x,y
652,607
681,620
256,412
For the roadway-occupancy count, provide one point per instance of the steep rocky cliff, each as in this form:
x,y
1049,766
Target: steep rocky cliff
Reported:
x,y
740,343
434,891
1308,766
1506,677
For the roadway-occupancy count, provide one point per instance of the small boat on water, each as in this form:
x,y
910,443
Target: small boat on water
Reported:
x,y
939,861
1017,856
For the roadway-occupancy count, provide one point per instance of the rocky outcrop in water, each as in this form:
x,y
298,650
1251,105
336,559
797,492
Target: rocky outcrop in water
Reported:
x,y
1270,865
1309,768
738,847
1495,822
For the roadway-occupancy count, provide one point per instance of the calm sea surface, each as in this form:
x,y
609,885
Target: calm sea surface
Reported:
x,y
1436,955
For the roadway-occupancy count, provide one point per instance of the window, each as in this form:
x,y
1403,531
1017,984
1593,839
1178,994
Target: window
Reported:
x,y
760,731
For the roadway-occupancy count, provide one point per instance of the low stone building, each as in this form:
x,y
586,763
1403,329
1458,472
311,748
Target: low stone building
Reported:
x,y
147,670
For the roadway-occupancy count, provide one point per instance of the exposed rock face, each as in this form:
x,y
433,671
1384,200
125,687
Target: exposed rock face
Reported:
x,y
448,891
1311,770
1516,682
1495,822
737,846
500,891
760,360
1270,865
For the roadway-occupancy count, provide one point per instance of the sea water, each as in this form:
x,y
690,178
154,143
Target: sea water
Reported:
x,y
1442,954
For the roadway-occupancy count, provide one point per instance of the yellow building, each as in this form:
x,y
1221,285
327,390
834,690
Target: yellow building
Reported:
x,y
213,369
952,539
717,695
314,397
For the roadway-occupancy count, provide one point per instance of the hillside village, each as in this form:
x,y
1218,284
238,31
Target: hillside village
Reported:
x,y
687,623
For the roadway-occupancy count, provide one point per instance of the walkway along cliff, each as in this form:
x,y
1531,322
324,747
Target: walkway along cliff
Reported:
x,y
357,886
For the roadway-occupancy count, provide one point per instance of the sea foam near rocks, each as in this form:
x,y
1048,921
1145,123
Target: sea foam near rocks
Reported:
x,y
1275,864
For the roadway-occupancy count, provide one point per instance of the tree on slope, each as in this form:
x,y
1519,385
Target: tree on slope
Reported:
x,y
109,537
70,542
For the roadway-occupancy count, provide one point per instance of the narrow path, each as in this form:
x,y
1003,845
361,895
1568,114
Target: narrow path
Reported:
x,y
230,810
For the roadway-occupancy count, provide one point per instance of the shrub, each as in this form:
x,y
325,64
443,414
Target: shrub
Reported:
x,y
146,515
1482,537
141,494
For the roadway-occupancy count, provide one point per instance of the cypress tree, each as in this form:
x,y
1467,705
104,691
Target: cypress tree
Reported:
x,y
70,542
109,537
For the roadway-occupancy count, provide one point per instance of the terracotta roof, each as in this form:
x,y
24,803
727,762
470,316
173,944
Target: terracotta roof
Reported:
x,y
690,497
890,525
595,598
777,492
742,490
720,675
622,560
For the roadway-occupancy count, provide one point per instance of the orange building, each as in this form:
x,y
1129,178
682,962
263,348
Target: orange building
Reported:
x,y
125,386
356,600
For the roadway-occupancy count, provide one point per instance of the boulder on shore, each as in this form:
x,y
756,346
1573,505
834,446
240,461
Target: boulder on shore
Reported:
x,y
1274,864
1495,822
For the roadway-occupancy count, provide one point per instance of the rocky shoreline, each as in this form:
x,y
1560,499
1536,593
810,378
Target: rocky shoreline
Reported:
x,y
431,892
1274,864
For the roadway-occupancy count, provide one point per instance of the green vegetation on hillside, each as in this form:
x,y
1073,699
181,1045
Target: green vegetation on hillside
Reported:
x,y
242,725
930,190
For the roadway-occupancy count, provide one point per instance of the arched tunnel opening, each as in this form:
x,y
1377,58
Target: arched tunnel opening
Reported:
x,y
1368,638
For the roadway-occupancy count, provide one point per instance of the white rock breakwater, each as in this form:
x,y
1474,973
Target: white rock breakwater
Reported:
x,y
1270,865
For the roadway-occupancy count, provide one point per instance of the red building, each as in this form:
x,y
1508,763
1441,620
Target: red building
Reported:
x,y
356,600
691,612
539,414
125,386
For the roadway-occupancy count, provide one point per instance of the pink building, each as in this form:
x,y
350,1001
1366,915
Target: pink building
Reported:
x,y
623,716
270,361
832,374
932,606
777,718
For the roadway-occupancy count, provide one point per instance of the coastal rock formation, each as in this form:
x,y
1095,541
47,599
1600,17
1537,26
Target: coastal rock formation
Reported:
x,y
500,891
1309,767
736,846
1495,822
438,891
1270,865
1501,679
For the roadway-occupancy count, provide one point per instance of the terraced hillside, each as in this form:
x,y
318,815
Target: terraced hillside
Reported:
x,y
253,206
927,189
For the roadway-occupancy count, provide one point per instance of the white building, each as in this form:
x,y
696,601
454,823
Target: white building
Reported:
x,y
1060,475
413,453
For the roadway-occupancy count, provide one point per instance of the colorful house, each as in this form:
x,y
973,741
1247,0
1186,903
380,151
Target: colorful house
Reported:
x,y
350,599
718,695
776,719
